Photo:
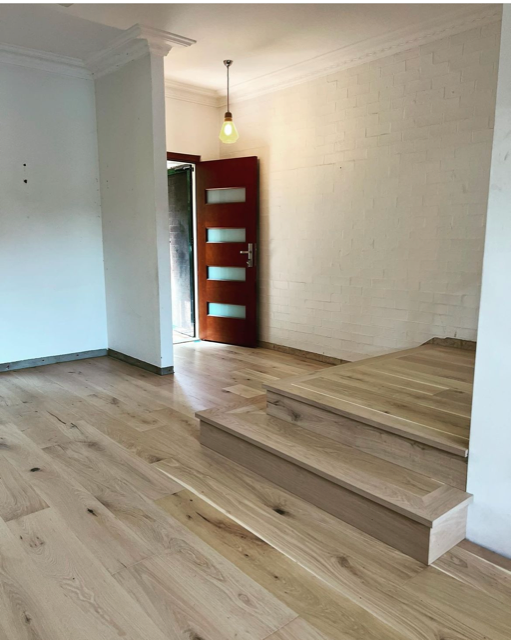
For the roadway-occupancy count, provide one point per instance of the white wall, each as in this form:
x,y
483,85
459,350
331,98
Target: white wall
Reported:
x,y
131,134
374,186
489,468
52,297
192,128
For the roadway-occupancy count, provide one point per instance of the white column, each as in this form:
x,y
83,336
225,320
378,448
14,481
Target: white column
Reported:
x,y
130,105
489,468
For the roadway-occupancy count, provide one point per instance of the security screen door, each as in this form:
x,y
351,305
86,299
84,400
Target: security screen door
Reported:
x,y
226,250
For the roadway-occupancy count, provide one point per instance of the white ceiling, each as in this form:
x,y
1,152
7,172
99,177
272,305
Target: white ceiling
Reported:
x,y
260,38
43,28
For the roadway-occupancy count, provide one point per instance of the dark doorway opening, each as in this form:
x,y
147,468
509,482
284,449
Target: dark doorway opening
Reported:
x,y
182,249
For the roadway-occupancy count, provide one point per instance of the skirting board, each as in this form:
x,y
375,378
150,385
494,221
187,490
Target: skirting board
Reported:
x,y
161,371
39,362
310,355
457,343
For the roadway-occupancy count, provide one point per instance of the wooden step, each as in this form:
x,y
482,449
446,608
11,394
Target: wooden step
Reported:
x,y
436,463
409,407
413,513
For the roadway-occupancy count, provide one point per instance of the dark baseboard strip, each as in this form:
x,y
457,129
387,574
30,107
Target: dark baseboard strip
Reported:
x,y
309,355
457,343
39,362
161,371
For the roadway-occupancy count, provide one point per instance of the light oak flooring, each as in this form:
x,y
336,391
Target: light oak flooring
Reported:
x,y
99,541
423,393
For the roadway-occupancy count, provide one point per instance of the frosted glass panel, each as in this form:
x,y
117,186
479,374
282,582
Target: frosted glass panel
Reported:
x,y
222,196
227,310
226,235
227,273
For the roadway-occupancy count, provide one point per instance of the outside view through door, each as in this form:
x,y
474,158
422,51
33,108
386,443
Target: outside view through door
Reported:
x,y
226,250
181,251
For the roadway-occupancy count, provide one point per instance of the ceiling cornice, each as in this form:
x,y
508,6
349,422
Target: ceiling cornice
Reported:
x,y
192,93
139,40
363,52
134,43
329,63
51,62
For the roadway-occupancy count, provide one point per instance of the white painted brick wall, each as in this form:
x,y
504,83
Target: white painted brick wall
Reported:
x,y
374,187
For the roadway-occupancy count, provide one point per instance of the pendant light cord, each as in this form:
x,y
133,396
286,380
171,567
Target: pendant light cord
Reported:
x,y
228,87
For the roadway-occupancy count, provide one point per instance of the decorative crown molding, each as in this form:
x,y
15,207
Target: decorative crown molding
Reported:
x,y
366,51
192,93
51,62
344,58
134,43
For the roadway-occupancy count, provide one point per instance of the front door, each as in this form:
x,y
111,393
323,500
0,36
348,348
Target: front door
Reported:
x,y
227,249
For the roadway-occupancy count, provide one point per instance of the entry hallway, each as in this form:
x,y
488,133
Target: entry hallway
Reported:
x,y
97,543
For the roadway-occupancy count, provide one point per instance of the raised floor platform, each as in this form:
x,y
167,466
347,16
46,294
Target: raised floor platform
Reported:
x,y
424,394
382,444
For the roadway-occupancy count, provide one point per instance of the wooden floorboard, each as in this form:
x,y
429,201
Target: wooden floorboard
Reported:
x,y
97,543
324,608
423,393
412,494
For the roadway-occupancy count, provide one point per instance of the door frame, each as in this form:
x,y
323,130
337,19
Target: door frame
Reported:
x,y
182,157
187,158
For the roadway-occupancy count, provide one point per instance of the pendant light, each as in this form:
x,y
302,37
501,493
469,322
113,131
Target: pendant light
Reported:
x,y
228,132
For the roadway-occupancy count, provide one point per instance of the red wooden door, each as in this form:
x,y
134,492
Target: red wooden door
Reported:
x,y
227,194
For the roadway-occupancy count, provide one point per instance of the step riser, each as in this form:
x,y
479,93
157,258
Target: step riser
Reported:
x,y
434,463
408,536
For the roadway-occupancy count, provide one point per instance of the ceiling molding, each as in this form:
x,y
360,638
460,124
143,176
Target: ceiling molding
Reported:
x,y
329,63
51,62
361,53
192,93
132,44
129,45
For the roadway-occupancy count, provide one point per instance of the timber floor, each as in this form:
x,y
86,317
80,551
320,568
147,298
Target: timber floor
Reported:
x,y
423,393
97,541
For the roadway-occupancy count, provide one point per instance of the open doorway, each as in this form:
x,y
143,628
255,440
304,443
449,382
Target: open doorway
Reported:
x,y
213,247
181,190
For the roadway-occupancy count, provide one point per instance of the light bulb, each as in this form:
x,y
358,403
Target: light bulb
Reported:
x,y
228,132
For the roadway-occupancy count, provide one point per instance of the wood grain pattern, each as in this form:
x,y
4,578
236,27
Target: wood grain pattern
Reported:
x,y
413,538
244,391
416,456
107,455
354,564
342,583
188,595
17,497
31,606
402,392
460,602
333,614
295,527
477,572
408,493
297,629
62,558
93,524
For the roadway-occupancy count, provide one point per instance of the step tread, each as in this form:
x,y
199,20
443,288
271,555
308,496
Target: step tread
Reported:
x,y
412,494
423,394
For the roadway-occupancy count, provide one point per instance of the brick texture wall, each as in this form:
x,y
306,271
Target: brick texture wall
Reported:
x,y
374,187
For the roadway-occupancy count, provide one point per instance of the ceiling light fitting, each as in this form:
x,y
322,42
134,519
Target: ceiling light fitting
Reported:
x,y
228,132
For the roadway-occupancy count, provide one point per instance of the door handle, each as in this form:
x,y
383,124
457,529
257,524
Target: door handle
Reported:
x,y
249,254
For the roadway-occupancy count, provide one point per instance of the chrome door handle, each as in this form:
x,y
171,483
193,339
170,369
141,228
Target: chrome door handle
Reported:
x,y
249,254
